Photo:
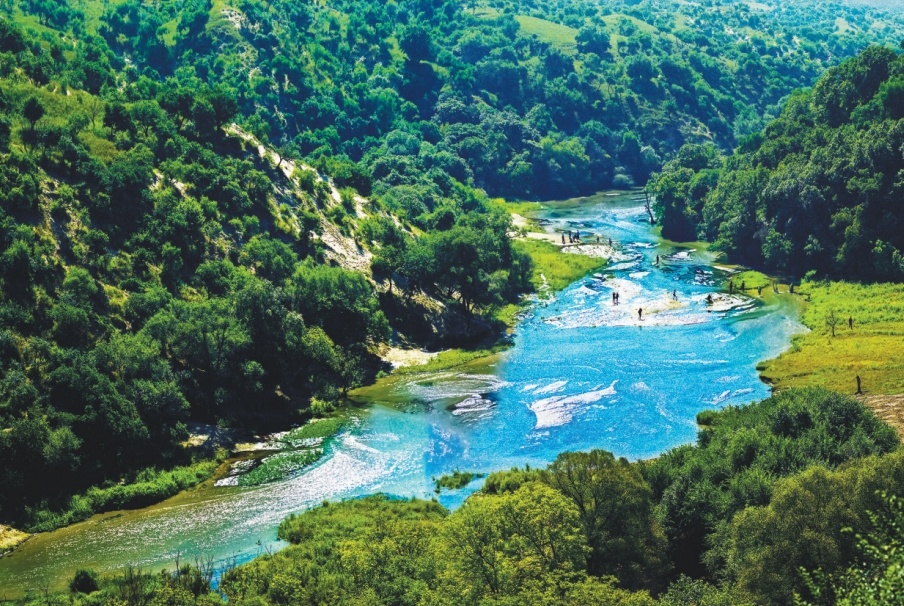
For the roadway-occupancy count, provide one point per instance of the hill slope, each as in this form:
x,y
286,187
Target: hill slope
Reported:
x,y
158,264
817,191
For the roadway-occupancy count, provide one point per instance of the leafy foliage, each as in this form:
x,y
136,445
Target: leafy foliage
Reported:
x,y
816,191
155,269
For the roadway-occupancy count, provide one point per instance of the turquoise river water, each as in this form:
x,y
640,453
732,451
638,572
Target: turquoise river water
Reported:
x,y
583,373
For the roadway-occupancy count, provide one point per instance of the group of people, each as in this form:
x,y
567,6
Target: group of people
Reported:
x,y
743,287
574,237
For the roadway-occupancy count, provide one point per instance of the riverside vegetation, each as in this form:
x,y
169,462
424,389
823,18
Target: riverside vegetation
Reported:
x,y
769,490
206,204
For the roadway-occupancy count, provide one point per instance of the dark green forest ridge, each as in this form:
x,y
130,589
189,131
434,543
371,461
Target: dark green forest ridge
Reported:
x,y
819,190
157,268
196,195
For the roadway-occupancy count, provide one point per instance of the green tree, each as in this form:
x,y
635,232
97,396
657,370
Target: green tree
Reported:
x,y
616,512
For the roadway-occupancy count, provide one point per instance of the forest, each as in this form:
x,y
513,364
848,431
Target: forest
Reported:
x,y
817,192
156,270
207,204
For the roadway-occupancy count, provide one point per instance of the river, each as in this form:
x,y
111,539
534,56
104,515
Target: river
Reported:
x,y
583,373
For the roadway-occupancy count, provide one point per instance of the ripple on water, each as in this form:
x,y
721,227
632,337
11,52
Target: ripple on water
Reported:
x,y
556,411
474,408
554,387
451,385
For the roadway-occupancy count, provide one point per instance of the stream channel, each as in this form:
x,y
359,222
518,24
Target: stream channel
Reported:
x,y
583,373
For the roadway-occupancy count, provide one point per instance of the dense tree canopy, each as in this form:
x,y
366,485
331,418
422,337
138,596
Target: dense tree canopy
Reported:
x,y
156,270
818,190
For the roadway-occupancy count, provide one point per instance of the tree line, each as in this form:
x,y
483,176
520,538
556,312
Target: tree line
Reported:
x,y
817,191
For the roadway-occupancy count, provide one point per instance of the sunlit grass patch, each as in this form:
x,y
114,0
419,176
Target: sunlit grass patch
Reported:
x,y
558,269
509,314
317,429
525,209
10,538
303,447
751,280
872,349
556,34
450,359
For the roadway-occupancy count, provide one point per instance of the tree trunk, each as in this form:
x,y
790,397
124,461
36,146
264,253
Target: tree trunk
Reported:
x,y
648,205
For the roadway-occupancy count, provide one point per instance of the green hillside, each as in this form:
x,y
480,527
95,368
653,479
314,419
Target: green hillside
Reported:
x,y
817,191
160,265
220,211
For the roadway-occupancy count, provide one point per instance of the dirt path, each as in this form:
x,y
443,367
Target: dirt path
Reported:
x,y
888,408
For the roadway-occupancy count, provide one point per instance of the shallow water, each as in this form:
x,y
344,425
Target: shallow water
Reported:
x,y
583,373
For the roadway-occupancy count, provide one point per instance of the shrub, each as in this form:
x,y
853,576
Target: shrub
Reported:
x,y
84,581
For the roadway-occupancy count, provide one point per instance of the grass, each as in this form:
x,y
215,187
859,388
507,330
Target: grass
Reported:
x,y
509,314
316,430
751,280
279,466
303,449
872,349
455,480
450,359
525,209
149,486
560,36
10,538
559,269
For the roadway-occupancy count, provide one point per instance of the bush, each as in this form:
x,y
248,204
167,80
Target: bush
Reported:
x,y
84,581
705,418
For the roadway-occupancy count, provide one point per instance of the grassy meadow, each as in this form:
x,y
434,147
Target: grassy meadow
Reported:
x,y
558,35
10,538
280,466
873,349
557,268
